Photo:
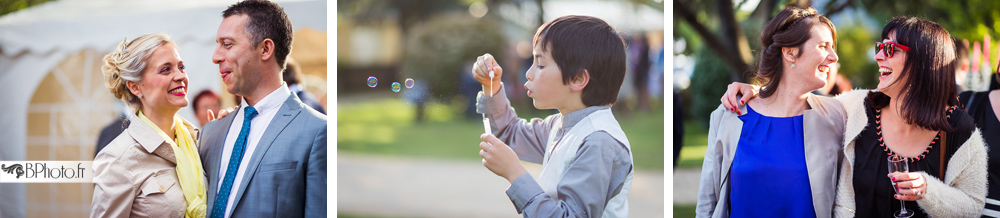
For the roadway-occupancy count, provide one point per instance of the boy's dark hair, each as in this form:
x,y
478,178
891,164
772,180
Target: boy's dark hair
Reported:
x,y
928,75
267,20
583,42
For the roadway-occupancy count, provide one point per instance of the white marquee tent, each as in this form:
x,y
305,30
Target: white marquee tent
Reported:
x,y
41,51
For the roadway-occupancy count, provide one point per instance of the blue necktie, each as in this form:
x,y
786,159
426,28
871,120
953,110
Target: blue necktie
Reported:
x,y
222,198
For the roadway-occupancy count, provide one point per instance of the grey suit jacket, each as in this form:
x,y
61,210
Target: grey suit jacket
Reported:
x,y
823,130
286,176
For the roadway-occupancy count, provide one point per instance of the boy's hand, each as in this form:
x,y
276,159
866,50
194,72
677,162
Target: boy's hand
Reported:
x,y
499,158
481,71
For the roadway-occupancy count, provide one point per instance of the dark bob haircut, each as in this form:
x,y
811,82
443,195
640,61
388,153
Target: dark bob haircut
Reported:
x,y
928,76
583,42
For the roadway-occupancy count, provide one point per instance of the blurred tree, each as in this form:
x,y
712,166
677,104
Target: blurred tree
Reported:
x,y
407,13
969,19
732,47
854,46
705,86
8,6
439,51
726,31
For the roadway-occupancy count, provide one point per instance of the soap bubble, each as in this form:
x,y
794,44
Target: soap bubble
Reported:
x,y
409,83
372,81
395,86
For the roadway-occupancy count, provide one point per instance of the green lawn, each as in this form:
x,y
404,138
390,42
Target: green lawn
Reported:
x,y
684,211
695,144
386,126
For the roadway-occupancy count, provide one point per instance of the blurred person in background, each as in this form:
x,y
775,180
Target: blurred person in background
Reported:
x,y
984,107
113,129
962,65
205,103
295,80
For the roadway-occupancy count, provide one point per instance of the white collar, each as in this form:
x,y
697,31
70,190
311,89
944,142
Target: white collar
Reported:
x,y
272,101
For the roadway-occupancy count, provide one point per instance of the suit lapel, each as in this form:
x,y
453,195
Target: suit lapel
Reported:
x,y
288,111
213,154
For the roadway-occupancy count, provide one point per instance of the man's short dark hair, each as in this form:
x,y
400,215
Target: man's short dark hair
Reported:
x,y
583,42
267,21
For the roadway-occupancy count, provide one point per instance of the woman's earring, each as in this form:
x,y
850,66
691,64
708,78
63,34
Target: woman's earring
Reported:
x,y
140,95
793,65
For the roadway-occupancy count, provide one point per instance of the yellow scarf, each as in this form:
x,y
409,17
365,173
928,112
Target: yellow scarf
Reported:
x,y
190,173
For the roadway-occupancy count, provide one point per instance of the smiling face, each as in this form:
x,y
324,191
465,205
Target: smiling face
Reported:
x,y
164,82
891,68
237,57
813,64
545,85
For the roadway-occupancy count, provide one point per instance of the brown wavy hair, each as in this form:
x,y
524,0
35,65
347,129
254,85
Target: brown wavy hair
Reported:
x,y
790,28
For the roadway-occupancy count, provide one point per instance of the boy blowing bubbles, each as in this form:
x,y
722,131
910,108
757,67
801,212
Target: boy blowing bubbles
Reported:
x,y
578,68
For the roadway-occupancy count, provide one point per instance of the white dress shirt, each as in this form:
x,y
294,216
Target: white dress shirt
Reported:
x,y
266,109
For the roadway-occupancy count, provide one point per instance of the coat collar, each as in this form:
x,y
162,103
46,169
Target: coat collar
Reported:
x,y
151,141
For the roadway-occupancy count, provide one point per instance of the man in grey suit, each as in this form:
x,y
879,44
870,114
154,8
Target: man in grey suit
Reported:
x,y
267,158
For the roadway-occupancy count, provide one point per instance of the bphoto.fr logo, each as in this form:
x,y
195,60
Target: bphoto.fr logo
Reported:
x,y
46,172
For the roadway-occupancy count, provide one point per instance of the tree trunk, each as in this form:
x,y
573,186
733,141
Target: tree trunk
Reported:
x,y
732,51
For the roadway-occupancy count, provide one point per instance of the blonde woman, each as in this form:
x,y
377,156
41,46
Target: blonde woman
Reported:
x,y
153,168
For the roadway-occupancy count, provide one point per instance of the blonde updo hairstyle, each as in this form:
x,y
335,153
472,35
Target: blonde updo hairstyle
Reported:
x,y
127,63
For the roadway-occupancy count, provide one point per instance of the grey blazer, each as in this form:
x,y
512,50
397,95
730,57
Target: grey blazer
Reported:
x,y
823,130
286,176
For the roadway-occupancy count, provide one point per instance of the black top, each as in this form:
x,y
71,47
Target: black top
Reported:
x,y
981,110
110,132
873,189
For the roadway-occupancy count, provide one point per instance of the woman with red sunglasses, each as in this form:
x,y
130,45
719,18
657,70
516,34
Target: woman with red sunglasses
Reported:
x,y
910,115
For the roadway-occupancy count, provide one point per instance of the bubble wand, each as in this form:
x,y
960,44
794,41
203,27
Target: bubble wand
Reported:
x,y
486,120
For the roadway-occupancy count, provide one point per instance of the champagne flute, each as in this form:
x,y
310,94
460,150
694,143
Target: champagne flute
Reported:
x,y
898,164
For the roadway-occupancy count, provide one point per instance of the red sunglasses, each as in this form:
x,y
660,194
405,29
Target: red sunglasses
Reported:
x,y
888,48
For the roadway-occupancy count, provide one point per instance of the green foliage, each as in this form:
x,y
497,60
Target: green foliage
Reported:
x,y
684,210
695,144
854,47
439,50
8,6
967,19
708,83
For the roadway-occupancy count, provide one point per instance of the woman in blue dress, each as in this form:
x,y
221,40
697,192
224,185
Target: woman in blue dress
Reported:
x,y
911,115
778,156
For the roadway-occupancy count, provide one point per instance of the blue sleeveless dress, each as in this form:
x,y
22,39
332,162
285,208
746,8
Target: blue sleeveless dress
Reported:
x,y
769,177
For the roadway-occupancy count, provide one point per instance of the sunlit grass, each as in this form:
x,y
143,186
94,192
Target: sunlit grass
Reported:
x,y
684,210
387,126
695,144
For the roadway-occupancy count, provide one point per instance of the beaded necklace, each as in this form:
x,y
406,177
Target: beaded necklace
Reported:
x,y
881,141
